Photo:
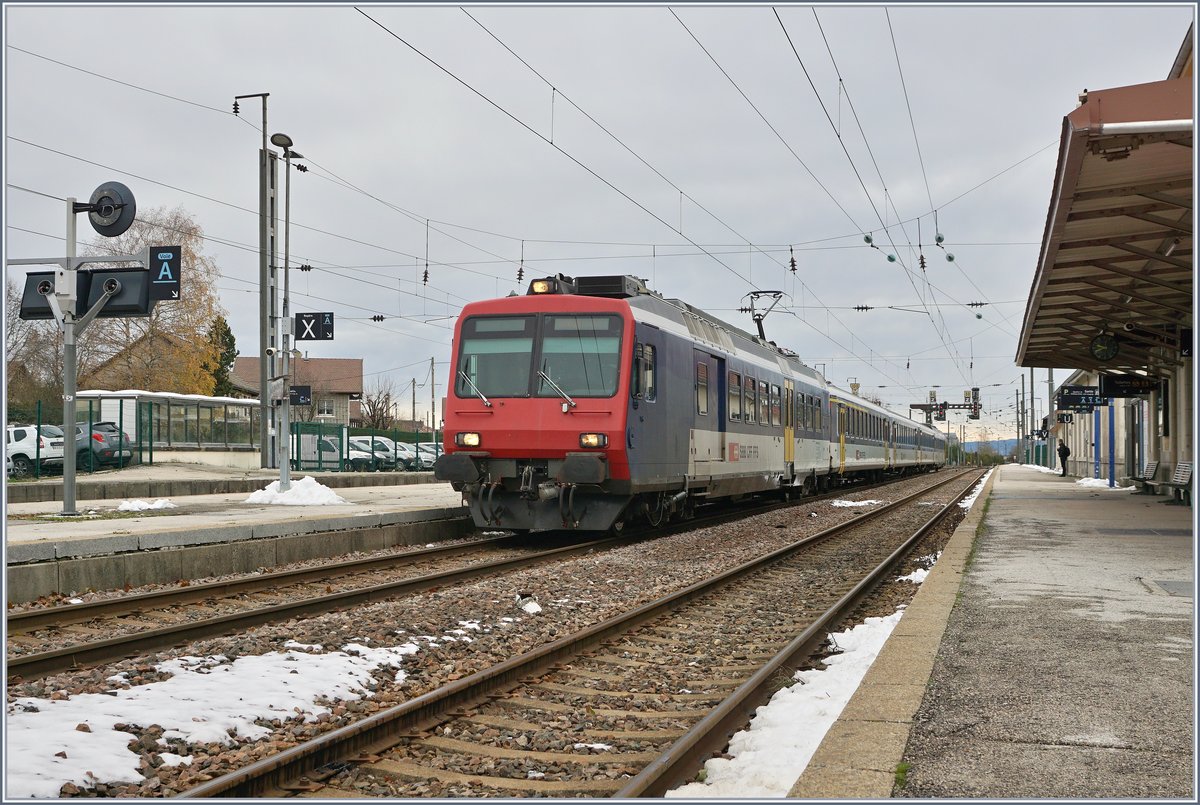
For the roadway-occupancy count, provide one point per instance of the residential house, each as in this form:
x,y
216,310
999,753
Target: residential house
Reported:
x,y
336,384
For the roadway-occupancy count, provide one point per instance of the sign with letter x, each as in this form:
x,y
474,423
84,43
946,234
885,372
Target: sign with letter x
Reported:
x,y
314,326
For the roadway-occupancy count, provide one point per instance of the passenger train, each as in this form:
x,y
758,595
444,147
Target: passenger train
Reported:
x,y
591,402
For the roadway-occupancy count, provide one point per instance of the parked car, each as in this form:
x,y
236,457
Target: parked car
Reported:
x,y
406,456
383,454
25,446
421,459
106,446
352,458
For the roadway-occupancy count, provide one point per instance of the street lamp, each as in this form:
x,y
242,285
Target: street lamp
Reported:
x,y
284,439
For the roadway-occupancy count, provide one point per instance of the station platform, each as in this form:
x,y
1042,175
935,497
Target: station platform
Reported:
x,y
46,554
1049,654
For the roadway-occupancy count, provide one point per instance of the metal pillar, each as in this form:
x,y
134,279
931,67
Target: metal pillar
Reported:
x,y
283,436
1051,411
1112,444
266,288
1095,443
70,368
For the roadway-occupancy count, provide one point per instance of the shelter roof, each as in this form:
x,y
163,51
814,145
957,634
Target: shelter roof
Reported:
x,y
1116,255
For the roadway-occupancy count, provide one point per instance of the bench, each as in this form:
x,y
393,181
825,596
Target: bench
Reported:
x,y
1145,478
1181,480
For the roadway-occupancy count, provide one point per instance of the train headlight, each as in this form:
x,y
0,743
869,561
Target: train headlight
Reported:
x,y
593,440
542,286
466,439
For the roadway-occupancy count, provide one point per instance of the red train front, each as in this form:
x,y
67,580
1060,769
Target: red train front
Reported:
x,y
536,415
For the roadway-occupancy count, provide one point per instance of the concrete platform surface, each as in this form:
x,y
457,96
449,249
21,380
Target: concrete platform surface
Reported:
x,y
200,519
1054,651
166,478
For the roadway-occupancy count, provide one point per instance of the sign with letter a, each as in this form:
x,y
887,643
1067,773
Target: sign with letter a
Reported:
x,y
164,271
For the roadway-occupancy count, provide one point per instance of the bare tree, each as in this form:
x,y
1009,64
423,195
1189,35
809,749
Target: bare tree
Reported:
x,y
377,406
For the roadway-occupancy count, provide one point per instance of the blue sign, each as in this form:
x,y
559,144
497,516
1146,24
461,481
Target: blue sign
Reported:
x,y
164,268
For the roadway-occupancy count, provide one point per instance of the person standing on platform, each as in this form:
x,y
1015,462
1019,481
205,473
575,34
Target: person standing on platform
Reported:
x,y
1063,452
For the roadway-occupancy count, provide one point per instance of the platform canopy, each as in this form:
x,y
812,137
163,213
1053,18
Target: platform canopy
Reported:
x,y
1116,257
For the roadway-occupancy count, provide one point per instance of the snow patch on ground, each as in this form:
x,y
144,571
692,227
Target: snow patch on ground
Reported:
x,y
1102,483
194,706
305,492
969,500
847,503
785,733
141,505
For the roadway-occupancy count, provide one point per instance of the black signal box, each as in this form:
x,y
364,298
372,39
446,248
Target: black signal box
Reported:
x,y
132,300
36,305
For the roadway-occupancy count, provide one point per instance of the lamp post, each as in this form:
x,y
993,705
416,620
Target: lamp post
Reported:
x,y
283,438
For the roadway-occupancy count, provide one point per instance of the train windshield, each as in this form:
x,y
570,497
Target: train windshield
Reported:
x,y
581,355
495,356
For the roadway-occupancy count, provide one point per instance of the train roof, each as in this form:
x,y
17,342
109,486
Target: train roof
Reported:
x,y
703,326
842,394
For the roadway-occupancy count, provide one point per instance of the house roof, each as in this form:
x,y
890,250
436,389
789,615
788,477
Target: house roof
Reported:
x,y
337,375
1116,255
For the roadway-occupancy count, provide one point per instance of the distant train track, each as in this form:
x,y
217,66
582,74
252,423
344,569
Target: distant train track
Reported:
x,y
134,625
627,707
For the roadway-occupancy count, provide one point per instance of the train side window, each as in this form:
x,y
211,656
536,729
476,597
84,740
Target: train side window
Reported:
x,y
645,373
764,403
751,405
818,404
808,414
702,389
776,406
735,397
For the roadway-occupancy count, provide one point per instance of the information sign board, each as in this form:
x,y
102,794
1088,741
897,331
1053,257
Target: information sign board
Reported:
x,y
164,271
1072,397
1127,385
314,326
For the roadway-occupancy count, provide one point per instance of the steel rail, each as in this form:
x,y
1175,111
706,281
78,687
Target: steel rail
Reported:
x,y
678,764
271,775
115,648
28,620
75,613
43,663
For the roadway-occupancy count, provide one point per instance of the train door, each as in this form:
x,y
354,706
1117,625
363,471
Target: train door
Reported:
x,y
708,411
841,426
889,443
655,442
789,413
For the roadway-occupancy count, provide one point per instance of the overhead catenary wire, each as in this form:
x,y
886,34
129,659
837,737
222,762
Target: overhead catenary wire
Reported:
x,y
543,138
858,175
531,240
456,225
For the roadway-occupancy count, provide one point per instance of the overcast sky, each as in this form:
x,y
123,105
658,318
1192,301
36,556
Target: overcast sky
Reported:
x,y
717,162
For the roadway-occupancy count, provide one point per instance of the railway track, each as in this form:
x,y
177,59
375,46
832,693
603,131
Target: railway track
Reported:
x,y
132,625
627,707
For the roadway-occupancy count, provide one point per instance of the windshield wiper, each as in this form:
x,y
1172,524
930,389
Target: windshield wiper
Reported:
x,y
471,383
555,386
